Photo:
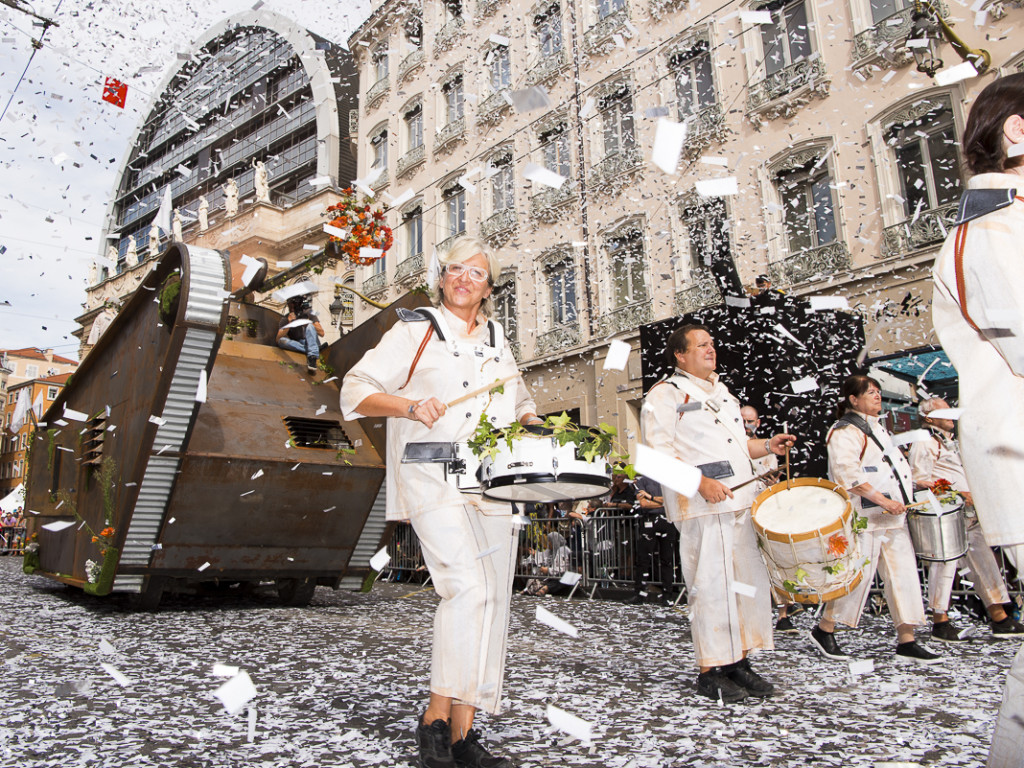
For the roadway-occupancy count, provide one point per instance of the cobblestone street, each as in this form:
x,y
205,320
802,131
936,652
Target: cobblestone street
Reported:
x,y
340,684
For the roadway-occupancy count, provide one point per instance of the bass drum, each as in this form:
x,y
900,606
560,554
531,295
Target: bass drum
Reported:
x,y
806,539
537,469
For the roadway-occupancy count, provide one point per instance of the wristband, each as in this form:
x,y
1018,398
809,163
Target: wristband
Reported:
x,y
412,407
768,445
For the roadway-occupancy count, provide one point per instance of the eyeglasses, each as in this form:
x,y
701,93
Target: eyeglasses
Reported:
x,y
476,274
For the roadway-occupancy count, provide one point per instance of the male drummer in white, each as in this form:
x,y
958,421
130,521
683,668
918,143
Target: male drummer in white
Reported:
x,y
939,458
692,416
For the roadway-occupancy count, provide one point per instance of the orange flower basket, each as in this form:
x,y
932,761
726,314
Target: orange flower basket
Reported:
x,y
366,228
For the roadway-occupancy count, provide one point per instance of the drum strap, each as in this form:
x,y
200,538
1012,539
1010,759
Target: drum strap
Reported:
x,y
860,423
958,266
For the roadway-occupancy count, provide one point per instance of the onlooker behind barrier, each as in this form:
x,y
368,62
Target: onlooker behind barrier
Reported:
x,y
655,535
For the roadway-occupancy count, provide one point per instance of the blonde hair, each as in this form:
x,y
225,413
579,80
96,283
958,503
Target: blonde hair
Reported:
x,y
462,250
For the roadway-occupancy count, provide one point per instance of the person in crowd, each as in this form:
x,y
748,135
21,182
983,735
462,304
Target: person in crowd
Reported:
x,y
303,337
434,356
622,494
656,536
863,460
770,464
932,460
692,416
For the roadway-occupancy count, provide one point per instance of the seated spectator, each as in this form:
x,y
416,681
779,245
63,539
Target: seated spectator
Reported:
x,y
303,338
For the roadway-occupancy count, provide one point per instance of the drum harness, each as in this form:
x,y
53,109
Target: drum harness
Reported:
x,y
858,421
459,464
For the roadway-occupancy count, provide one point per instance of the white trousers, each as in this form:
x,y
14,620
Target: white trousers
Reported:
x,y
988,581
1008,740
720,562
891,553
471,623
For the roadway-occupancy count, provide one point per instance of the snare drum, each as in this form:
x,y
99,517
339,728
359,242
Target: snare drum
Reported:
x,y
806,539
938,536
538,469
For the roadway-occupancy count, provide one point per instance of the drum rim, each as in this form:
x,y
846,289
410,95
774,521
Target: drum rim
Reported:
x,y
927,511
824,597
818,482
539,478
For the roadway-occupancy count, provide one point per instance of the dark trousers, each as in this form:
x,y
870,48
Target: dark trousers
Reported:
x,y
658,537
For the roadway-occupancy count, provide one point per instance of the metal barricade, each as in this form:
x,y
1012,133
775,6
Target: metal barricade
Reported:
x,y
406,556
12,541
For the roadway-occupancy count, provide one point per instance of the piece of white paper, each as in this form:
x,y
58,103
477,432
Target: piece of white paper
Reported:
x,y
742,302
547,618
617,357
574,726
529,99
718,187
403,198
806,384
60,525
541,175
157,420
75,415
862,667
297,323
115,673
225,670
236,693
913,436
487,552
755,17
669,471
819,303
947,413
668,144
252,266
370,253
106,648
201,387
747,590
570,578
336,231
251,733
950,75
381,559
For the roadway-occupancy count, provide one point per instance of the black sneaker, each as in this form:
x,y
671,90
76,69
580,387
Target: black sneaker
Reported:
x,y
785,625
741,674
826,644
945,632
916,653
435,744
311,366
470,753
638,599
1008,627
715,684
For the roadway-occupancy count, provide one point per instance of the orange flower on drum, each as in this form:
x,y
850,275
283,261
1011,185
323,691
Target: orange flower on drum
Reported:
x,y
941,487
837,545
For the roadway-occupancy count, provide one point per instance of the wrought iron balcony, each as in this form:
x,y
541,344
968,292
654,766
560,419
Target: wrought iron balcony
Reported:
x,y
615,164
563,337
450,133
823,261
547,68
792,87
353,122
448,242
409,268
375,284
410,160
627,318
702,292
409,63
380,182
659,8
447,35
544,205
600,33
703,128
494,106
485,8
376,92
502,222
925,230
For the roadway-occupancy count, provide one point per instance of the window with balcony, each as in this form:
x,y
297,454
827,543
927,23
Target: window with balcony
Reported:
x,y
617,122
504,298
787,39
380,64
499,67
809,210
452,10
412,228
502,182
413,31
626,266
927,159
707,230
413,121
454,199
379,150
547,27
554,147
606,8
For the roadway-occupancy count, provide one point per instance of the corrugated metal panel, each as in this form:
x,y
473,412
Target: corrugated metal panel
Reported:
x,y
369,539
206,286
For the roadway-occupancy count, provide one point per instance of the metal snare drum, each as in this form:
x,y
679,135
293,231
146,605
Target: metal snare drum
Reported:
x,y
938,537
538,469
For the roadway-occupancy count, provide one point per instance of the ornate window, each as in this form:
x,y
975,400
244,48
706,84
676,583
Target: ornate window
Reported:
x,y
559,273
787,39
453,198
499,67
606,8
707,229
617,126
380,63
625,249
809,210
505,306
413,119
453,99
502,181
379,149
412,229
547,25
694,84
554,148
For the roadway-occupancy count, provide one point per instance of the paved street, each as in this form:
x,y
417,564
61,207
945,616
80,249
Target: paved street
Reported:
x,y
340,683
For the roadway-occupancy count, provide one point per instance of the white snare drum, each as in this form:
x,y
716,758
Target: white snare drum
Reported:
x,y
938,535
538,469
806,539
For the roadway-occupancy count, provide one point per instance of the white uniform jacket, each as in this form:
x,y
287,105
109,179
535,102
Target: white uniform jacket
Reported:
x,y
699,422
447,369
990,363
937,459
855,459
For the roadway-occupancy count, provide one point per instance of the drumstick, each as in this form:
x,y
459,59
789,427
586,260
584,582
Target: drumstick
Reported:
x,y
748,482
787,467
481,390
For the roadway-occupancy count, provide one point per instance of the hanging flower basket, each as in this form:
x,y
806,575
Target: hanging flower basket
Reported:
x,y
364,225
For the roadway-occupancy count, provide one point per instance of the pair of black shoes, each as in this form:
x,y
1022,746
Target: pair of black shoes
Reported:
x,y
911,651
437,751
733,683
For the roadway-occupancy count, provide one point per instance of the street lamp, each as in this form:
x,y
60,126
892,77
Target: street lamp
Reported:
x,y
336,308
927,33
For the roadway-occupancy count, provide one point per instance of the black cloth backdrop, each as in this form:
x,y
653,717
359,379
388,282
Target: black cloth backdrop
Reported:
x,y
759,363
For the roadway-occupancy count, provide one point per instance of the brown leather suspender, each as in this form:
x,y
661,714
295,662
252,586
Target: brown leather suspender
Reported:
x,y
419,354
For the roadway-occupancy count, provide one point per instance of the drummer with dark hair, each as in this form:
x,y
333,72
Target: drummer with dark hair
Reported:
x,y
938,458
431,358
693,417
864,461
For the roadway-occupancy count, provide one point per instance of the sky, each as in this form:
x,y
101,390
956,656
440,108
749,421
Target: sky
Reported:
x,y
61,144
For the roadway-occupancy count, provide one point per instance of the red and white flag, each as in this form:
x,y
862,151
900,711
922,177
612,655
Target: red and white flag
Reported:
x,y
115,92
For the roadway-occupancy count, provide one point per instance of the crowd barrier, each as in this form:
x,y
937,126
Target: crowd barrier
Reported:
x,y
601,549
12,541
